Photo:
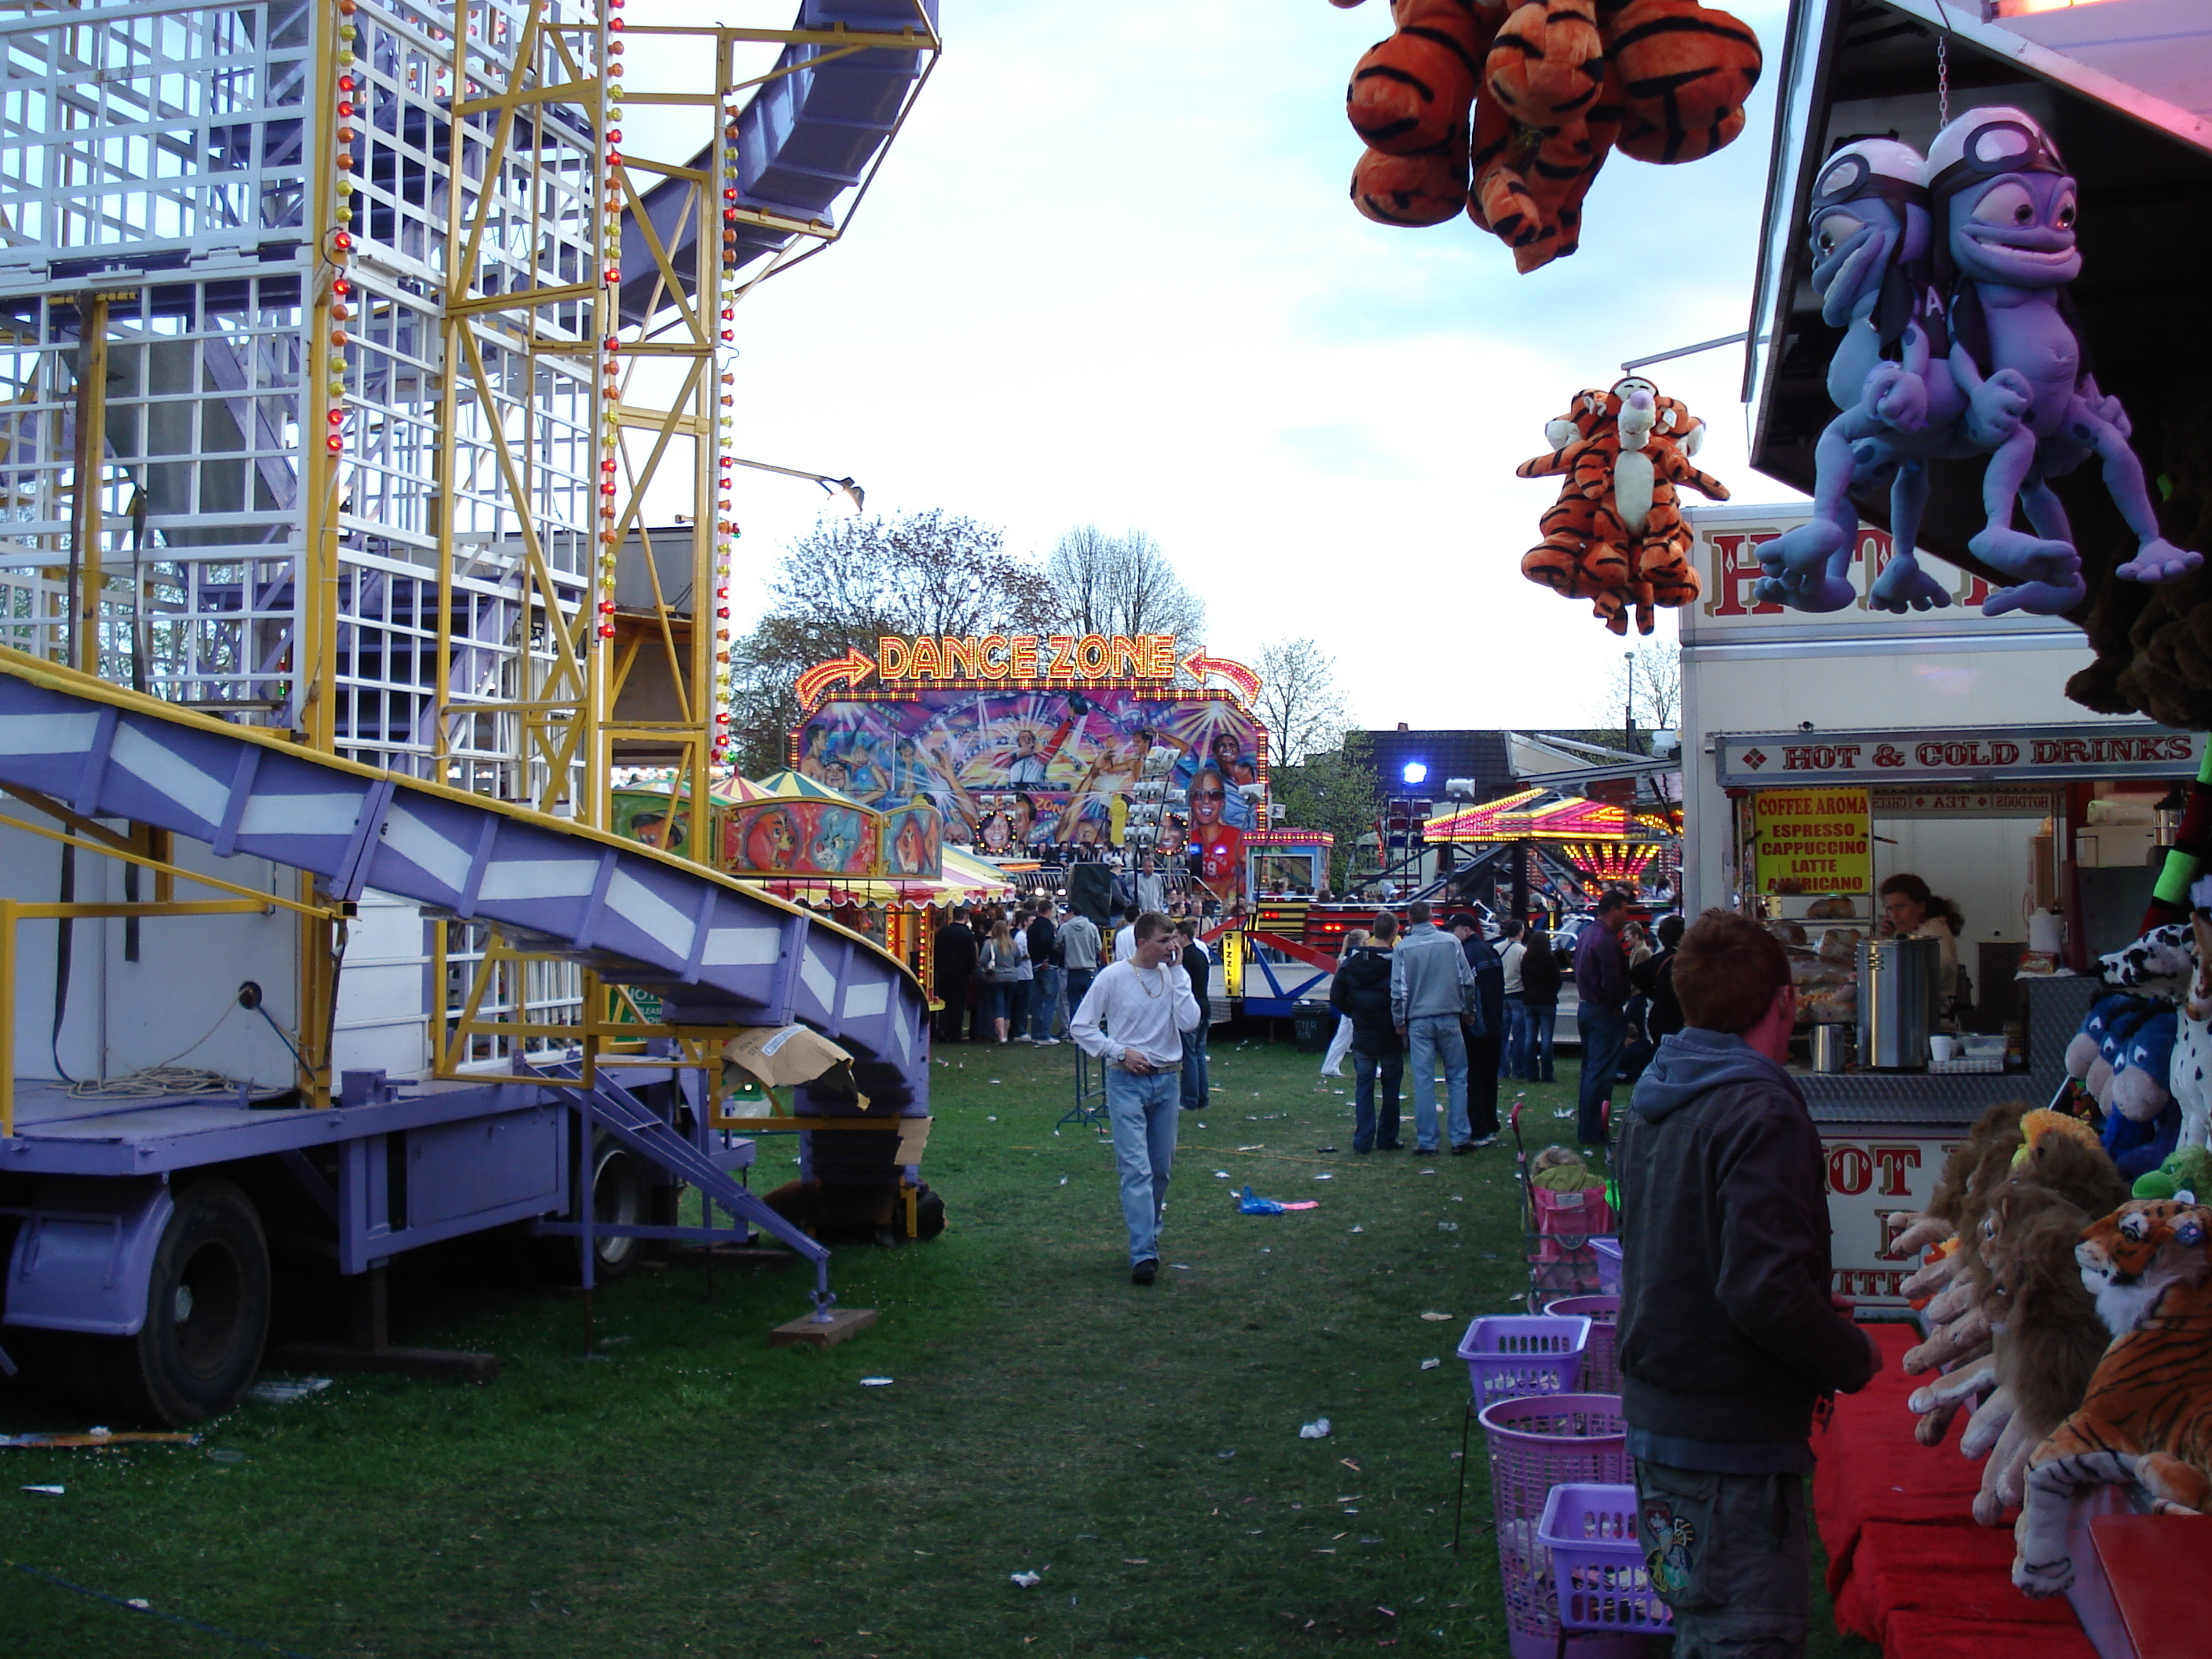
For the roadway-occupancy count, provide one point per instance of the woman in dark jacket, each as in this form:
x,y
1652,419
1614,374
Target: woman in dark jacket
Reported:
x,y
1361,993
1540,994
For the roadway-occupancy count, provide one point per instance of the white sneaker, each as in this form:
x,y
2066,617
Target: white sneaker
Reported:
x,y
1047,1042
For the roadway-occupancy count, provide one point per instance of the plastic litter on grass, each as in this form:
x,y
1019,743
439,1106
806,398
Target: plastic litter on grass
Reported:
x,y
284,1390
875,1381
49,1491
1316,1429
1027,1580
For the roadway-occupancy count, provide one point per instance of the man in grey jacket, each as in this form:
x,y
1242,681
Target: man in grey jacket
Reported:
x,y
1432,991
1729,1331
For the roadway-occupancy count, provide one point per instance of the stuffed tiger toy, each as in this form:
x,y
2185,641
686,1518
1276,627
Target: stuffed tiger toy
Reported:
x,y
1615,536
1685,73
1547,89
1410,93
2148,1416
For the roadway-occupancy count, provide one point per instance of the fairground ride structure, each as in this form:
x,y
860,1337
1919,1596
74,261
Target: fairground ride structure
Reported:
x,y
344,343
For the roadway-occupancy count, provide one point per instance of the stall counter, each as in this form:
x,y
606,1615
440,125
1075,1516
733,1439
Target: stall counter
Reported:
x,y
1885,1135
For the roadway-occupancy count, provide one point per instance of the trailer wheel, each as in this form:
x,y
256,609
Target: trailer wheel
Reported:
x,y
207,1314
621,1197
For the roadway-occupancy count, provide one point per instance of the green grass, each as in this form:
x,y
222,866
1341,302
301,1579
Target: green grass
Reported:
x,y
696,1492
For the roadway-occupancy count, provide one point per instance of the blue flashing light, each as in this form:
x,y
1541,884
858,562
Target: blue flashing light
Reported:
x,y
1414,771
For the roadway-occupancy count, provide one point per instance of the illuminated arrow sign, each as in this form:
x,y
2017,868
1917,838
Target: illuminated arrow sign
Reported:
x,y
850,669
1241,680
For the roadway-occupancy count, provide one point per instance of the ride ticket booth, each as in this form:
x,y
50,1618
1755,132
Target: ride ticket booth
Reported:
x,y
1962,763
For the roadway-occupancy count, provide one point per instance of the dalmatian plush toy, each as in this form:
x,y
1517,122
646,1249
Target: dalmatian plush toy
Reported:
x,y
2176,960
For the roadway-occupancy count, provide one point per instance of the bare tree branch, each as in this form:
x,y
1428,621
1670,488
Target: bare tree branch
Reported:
x,y
1298,702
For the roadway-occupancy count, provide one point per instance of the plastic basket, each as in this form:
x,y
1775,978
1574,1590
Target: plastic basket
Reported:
x,y
1607,1251
1600,1372
1597,1561
1509,1355
1536,1442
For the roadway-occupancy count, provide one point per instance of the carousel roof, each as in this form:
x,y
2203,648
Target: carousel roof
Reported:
x,y
1546,815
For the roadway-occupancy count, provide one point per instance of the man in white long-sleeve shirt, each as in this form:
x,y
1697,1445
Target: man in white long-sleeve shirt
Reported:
x,y
1133,1018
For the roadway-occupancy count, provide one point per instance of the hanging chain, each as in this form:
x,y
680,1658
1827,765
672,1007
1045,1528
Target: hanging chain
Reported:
x,y
1943,69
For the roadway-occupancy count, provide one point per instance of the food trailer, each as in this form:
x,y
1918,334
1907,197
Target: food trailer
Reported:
x,y
1964,763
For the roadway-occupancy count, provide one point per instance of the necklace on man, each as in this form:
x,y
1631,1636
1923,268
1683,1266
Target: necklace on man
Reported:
x,y
1147,986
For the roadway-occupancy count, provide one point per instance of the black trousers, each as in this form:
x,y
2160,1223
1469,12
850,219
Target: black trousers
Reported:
x,y
953,1018
1482,1084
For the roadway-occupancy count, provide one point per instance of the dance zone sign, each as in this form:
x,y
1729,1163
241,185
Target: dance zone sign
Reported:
x,y
1023,660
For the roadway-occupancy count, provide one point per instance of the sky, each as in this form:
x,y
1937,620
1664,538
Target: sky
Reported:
x,y
1110,274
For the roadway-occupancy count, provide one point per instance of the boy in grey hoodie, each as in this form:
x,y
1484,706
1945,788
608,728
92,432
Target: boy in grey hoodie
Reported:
x,y
1729,1331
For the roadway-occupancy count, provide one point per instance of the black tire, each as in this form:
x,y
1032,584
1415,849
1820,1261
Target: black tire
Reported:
x,y
621,1196
207,1316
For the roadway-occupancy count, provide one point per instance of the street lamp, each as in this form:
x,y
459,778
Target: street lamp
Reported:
x,y
846,497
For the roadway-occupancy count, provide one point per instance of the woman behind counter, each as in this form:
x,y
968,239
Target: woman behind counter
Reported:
x,y
1909,911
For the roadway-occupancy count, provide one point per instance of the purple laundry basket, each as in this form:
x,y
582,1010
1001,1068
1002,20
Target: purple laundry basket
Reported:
x,y
1607,1251
1597,1562
1512,1354
1600,1372
1536,1442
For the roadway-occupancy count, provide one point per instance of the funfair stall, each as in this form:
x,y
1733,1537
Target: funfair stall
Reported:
x,y
1967,331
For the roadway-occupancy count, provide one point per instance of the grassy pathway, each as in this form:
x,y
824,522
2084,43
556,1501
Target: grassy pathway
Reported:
x,y
694,1492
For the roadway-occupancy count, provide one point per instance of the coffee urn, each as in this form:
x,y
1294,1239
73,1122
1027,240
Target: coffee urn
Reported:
x,y
1898,980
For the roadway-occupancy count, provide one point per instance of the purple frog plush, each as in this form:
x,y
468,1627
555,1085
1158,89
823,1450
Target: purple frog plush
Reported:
x,y
2005,208
1873,245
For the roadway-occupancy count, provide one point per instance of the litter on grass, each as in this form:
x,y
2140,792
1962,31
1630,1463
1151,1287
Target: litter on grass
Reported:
x,y
141,1603
1221,1175
284,1390
1431,1364
1316,1429
1359,1229
1063,1180
1027,1580
94,1437
875,1381
1251,1204
1448,1226
1324,1175
1436,1318
51,1491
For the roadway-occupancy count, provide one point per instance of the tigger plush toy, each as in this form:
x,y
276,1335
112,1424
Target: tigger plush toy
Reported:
x,y
1616,536
1509,112
2146,1418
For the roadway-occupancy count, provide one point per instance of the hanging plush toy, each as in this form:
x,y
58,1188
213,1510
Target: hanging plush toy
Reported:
x,y
2147,1420
1873,247
1529,103
2005,208
1616,535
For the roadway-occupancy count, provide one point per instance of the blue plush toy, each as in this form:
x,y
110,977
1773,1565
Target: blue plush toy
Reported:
x,y
2005,208
1872,246
2100,1047
2144,1121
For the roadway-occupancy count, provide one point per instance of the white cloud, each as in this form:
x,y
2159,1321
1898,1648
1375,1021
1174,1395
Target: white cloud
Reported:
x,y
1110,274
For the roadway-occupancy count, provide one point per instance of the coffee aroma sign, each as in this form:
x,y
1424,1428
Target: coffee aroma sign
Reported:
x,y
2114,750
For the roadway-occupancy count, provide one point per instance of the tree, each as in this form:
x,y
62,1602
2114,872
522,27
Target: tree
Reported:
x,y
926,573
1298,702
1647,686
1333,789
849,581
1120,585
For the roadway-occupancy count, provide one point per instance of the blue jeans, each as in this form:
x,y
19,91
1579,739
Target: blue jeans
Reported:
x,y
1196,1082
1142,1110
1079,987
1513,1059
1044,1003
1427,1039
1543,1018
1605,1036
1367,1130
